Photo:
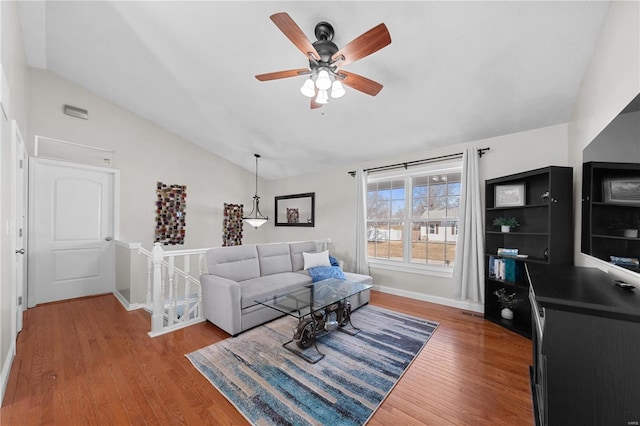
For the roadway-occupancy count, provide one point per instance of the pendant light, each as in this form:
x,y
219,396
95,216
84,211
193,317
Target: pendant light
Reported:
x,y
255,218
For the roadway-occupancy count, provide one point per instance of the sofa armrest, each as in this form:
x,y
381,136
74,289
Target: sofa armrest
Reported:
x,y
221,302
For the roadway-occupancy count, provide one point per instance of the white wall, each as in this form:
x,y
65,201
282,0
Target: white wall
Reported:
x,y
610,83
144,154
13,102
335,199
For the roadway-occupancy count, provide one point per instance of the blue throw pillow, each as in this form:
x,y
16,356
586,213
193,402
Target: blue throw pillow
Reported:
x,y
333,261
320,273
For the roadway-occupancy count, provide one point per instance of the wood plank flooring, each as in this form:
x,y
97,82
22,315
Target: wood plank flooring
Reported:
x,y
89,361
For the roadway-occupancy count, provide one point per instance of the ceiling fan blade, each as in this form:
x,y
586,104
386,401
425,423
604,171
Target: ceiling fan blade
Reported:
x,y
370,42
360,83
283,74
313,104
293,32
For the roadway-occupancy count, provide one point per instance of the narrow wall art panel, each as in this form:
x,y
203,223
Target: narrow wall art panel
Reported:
x,y
232,225
170,213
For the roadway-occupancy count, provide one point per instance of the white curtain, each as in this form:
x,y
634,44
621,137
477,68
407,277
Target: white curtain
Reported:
x,y
468,270
361,262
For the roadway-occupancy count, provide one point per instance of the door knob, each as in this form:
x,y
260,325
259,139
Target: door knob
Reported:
x,y
21,251
108,238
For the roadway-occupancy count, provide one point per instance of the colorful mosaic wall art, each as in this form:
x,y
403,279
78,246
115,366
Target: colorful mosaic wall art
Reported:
x,y
170,213
232,225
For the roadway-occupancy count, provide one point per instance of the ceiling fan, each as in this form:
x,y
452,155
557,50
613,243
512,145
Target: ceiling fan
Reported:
x,y
326,60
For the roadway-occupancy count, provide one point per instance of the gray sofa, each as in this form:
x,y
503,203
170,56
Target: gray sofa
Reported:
x,y
239,275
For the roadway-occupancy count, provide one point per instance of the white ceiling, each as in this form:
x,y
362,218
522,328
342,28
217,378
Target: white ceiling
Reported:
x,y
454,72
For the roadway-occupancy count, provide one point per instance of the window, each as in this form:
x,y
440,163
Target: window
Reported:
x,y
412,216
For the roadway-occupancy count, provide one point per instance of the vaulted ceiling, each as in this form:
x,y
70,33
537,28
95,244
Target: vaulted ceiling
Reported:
x,y
454,72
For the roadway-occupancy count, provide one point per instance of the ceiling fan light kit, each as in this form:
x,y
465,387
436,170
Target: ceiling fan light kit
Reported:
x,y
325,57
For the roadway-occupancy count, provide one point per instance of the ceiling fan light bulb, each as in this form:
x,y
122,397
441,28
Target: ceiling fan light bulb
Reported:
x,y
323,97
337,90
323,82
308,89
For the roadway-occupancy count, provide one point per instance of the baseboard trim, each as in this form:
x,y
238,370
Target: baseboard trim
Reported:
x,y
6,369
128,306
461,304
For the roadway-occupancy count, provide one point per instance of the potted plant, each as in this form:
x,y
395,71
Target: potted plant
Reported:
x,y
505,223
629,225
506,302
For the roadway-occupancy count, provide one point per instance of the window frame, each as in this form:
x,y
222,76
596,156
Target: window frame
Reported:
x,y
406,265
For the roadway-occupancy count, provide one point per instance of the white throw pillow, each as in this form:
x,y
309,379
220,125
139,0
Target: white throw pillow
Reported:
x,y
311,260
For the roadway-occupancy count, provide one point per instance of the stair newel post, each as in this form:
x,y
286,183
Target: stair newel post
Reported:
x,y
158,303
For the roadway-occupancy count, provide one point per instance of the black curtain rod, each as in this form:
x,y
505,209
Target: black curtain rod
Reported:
x,y
481,151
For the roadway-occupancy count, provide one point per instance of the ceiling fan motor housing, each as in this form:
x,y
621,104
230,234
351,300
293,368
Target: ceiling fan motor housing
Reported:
x,y
324,46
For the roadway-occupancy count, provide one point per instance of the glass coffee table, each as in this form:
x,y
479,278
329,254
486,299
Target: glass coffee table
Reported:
x,y
320,308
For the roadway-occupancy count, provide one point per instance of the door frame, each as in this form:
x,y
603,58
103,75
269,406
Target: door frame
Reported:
x,y
33,161
20,199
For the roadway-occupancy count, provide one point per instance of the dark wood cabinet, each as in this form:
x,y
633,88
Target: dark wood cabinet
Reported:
x,y
586,348
606,215
543,207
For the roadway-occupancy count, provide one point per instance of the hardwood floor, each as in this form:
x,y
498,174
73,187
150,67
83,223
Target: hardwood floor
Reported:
x,y
89,361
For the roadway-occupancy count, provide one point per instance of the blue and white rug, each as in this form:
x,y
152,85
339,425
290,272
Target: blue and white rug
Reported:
x,y
271,386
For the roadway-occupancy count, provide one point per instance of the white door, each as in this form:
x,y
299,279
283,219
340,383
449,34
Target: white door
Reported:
x,y
72,226
20,221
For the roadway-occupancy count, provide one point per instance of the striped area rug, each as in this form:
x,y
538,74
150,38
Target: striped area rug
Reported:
x,y
271,386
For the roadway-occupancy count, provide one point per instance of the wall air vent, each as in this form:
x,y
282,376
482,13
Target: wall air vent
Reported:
x,y
76,112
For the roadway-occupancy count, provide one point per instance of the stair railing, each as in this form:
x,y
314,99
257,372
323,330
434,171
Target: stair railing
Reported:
x,y
174,295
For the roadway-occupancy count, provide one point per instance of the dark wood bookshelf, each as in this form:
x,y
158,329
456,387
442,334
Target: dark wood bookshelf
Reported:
x,y
544,234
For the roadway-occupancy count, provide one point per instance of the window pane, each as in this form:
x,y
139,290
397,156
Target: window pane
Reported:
x,y
385,240
437,207
396,244
434,242
453,207
377,208
397,209
454,188
419,209
419,242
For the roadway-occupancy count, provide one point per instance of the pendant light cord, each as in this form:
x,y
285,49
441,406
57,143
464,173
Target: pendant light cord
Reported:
x,y
257,156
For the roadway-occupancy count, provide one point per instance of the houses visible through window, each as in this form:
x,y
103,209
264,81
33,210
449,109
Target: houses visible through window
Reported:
x,y
412,216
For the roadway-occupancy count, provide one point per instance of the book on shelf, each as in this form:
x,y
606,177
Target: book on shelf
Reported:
x,y
507,251
506,269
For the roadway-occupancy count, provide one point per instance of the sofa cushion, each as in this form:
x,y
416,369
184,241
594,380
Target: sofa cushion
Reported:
x,y
237,263
311,260
296,249
274,258
263,287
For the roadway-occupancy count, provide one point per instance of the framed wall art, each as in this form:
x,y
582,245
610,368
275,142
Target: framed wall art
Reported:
x,y
622,190
510,195
296,210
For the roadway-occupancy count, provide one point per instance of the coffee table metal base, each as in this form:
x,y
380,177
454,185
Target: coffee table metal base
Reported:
x,y
292,346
